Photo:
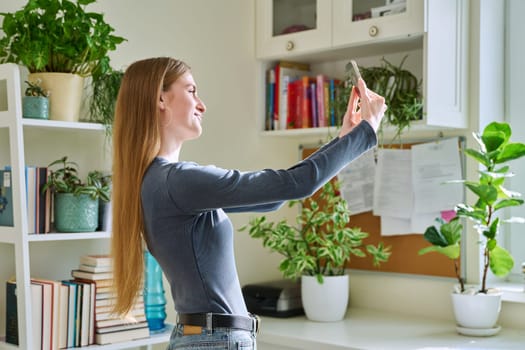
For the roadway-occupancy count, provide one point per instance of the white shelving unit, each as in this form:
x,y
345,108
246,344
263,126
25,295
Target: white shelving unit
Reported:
x,y
17,237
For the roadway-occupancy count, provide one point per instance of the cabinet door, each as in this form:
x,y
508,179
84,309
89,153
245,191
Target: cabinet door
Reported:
x,y
292,27
445,82
360,22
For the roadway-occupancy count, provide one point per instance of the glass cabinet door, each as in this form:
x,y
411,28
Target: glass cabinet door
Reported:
x,y
289,27
358,21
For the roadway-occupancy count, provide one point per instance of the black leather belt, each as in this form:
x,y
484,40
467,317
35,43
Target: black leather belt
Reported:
x,y
211,321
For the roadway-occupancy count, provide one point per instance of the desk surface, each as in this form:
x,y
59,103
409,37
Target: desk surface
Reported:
x,y
369,330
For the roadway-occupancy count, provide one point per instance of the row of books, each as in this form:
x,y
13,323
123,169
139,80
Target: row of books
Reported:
x,y
76,312
296,98
38,202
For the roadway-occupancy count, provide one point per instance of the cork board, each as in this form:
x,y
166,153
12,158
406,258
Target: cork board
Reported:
x,y
404,248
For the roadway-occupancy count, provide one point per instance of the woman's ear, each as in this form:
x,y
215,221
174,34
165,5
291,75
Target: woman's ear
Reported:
x,y
162,106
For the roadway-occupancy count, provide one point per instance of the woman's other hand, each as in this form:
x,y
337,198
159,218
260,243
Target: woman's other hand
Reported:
x,y
363,105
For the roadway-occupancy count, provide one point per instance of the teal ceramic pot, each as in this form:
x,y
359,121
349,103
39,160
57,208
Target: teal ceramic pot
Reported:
x,y
75,213
36,107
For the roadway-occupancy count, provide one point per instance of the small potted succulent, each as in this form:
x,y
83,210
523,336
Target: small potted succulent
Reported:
x,y
477,308
75,201
35,103
318,249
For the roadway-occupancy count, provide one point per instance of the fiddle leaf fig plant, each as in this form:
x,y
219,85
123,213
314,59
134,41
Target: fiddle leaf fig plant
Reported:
x,y
322,243
494,153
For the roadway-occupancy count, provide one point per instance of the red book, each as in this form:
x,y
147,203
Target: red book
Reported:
x,y
306,103
293,121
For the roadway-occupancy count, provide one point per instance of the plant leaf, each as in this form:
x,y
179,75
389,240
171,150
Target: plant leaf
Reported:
x,y
501,262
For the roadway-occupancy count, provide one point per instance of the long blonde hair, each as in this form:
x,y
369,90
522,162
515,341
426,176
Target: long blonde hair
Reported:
x,y
136,142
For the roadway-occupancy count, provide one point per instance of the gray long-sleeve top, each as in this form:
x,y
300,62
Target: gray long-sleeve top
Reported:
x,y
189,233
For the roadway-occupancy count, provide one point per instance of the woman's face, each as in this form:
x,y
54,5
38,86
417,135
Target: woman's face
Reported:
x,y
181,109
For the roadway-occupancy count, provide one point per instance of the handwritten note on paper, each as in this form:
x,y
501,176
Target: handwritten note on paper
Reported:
x,y
357,183
393,184
433,164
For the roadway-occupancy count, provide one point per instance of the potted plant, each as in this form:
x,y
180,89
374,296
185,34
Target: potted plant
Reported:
x,y
318,250
102,181
75,201
401,89
59,42
105,88
473,304
35,103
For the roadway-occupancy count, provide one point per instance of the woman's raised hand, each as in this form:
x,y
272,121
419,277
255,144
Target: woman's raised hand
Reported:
x,y
363,104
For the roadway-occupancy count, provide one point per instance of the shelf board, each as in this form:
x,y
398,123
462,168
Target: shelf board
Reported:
x,y
53,236
160,338
7,234
54,124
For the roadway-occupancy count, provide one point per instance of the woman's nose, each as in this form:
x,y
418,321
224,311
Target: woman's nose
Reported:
x,y
201,106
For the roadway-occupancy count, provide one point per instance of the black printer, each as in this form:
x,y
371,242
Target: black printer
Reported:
x,y
275,298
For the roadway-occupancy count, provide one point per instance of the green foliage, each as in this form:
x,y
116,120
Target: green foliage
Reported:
x,y
322,243
58,36
399,87
65,179
102,103
495,150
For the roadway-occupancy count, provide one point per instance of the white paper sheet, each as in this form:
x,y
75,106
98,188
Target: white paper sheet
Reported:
x,y
393,184
433,164
391,226
357,183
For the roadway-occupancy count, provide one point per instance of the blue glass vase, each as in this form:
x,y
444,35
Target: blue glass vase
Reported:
x,y
154,299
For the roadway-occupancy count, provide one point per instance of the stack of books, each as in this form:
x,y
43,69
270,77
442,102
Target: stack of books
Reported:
x,y
297,98
109,328
38,202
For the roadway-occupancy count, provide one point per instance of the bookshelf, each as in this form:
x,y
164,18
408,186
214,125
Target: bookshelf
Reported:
x,y
52,255
432,33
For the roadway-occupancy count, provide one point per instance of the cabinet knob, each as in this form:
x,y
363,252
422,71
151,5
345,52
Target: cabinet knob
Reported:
x,y
373,30
289,45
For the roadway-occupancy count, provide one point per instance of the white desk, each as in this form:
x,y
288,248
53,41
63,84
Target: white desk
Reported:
x,y
370,330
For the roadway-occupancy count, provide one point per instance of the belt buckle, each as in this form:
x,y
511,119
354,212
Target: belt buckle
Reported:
x,y
209,321
256,323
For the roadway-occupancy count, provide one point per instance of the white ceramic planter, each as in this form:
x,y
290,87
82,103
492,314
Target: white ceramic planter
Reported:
x,y
325,302
65,94
480,311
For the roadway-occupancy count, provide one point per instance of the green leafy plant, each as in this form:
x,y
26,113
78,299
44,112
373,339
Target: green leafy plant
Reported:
x,y
322,243
399,87
494,153
101,181
65,179
34,89
58,36
104,96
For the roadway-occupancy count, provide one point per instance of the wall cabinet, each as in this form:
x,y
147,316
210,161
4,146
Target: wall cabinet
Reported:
x,y
328,33
52,255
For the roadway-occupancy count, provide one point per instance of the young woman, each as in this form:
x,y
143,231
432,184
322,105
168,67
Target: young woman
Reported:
x,y
178,208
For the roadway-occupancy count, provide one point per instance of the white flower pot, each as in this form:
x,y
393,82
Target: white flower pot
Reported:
x,y
480,311
325,302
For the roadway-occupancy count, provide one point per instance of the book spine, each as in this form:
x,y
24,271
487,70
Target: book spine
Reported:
x,y
305,103
6,199
11,310
313,105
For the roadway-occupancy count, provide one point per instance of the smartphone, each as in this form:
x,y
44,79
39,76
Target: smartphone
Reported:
x,y
355,75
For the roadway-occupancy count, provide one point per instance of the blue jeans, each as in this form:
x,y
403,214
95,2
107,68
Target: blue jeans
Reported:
x,y
219,338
